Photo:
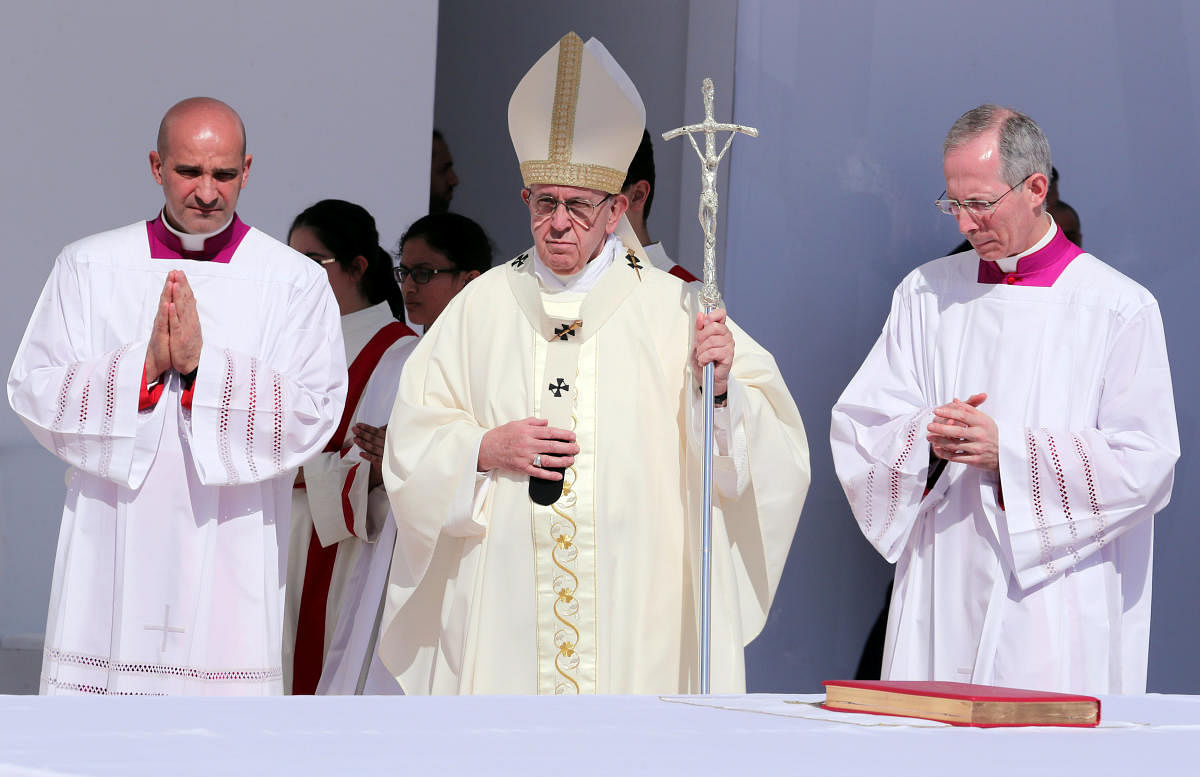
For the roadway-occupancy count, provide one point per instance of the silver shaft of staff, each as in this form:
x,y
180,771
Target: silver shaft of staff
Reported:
x,y
710,299
706,539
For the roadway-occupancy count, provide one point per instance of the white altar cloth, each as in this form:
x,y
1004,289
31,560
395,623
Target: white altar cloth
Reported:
x,y
591,735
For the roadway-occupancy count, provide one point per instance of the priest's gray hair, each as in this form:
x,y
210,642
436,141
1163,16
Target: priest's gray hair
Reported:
x,y
1024,149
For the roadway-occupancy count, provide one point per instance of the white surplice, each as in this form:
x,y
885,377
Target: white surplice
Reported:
x,y
1045,583
336,497
169,572
490,593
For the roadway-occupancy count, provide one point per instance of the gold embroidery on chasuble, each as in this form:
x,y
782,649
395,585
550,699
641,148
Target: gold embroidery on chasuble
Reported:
x,y
564,540
564,534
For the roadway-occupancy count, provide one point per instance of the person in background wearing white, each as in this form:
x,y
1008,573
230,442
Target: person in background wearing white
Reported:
x,y
342,533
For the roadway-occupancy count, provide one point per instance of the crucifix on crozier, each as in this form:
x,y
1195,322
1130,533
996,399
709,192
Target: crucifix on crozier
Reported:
x,y
710,160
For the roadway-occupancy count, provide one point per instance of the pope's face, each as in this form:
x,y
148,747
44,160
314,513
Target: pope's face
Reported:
x,y
564,244
202,170
973,173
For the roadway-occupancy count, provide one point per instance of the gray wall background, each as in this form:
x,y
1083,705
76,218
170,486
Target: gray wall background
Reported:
x,y
825,212
832,207
337,101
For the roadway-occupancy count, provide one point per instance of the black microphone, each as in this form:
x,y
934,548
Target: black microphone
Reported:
x,y
546,492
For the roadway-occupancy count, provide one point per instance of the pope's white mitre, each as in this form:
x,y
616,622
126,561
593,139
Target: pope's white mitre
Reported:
x,y
576,119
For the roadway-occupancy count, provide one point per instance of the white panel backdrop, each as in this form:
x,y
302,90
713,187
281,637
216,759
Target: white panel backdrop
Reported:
x,y
337,101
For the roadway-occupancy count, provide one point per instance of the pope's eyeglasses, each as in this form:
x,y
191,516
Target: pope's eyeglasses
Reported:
x,y
580,210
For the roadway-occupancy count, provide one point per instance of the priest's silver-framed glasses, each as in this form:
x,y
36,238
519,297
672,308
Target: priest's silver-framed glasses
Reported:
x,y
974,207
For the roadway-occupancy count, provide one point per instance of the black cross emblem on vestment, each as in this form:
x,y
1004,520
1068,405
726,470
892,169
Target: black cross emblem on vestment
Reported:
x,y
520,260
562,332
633,261
559,387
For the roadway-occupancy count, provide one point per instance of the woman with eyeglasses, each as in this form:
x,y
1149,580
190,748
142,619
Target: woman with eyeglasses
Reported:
x,y
439,254
342,532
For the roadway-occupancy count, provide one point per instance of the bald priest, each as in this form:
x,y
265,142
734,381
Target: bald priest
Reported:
x,y
183,367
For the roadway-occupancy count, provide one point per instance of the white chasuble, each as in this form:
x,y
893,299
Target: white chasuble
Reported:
x,y
1038,576
342,531
596,593
169,573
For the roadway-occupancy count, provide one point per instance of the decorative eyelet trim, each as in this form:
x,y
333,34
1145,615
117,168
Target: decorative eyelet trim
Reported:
x,y
223,449
110,409
1089,476
250,419
64,395
188,672
869,512
1061,479
83,413
895,484
1039,511
94,689
277,441
895,490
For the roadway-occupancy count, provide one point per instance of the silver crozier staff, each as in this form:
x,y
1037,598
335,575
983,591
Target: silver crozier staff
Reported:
x,y
710,298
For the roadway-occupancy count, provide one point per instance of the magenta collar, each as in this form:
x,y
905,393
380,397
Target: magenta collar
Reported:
x,y
165,244
1041,268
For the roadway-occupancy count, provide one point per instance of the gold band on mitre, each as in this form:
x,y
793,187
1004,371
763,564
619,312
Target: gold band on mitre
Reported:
x,y
605,179
560,141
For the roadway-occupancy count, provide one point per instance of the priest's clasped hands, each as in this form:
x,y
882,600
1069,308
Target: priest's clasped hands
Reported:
x,y
963,433
175,339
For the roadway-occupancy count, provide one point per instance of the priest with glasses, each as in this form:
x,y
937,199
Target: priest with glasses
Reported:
x,y
547,483
1009,439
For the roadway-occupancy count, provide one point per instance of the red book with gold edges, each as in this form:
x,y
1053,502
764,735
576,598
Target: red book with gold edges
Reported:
x,y
962,704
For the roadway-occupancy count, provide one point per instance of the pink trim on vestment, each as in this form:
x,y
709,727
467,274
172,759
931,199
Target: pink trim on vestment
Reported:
x,y
165,244
1041,268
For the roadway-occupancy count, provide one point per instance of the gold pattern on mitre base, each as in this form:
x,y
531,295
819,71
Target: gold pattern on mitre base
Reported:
x,y
585,176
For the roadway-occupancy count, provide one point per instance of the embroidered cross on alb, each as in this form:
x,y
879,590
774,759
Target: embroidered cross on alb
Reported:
x,y
165,629
558,387
520,260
